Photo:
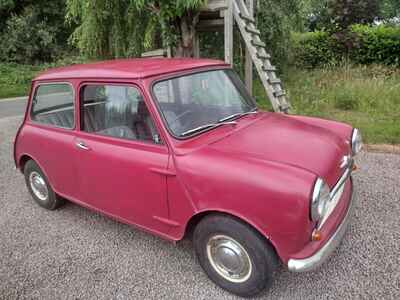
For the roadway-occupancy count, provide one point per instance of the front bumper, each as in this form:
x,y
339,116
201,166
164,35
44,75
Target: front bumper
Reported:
x,y
314,261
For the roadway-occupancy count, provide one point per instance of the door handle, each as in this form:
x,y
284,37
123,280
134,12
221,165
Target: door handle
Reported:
x,y
81,145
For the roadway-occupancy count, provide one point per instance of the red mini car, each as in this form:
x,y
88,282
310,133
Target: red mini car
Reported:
x,y
177,147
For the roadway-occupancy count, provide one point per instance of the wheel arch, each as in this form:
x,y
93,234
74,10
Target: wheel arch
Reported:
x,y
23,159
196,218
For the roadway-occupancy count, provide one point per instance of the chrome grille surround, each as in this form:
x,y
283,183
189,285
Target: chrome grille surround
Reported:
x,y
335,195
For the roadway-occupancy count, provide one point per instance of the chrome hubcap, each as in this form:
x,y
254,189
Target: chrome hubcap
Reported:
x,y
38,186
229,259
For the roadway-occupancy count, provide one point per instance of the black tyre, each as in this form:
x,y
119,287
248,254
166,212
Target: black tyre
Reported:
x,y
234,255
39,187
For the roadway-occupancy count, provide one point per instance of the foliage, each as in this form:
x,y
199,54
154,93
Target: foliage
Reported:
x,y
367,97
380,44
344,13
336,15
276,19
15,79
177,20
314,49
106,28
315,14
113,28
389,9
28,39
33,31
371,44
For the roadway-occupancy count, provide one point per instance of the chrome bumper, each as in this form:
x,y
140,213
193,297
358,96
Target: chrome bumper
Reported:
x,y
313,262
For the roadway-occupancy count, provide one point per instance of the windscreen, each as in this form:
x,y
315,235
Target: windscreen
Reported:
x,y
195,100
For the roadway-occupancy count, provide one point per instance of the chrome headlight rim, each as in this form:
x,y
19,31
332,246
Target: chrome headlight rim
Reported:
x,y
356,141
319,200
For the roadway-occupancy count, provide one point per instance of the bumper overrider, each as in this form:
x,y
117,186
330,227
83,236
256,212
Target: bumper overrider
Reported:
x,y
314,261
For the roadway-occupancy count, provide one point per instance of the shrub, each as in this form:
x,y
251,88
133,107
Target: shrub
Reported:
x,y
362,44
314,49
27,39
379,44
33,32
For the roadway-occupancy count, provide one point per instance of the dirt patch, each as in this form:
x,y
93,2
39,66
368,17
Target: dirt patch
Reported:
x,y
383,148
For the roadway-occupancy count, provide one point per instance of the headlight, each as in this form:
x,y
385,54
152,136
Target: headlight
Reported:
x,y
320,199
356,141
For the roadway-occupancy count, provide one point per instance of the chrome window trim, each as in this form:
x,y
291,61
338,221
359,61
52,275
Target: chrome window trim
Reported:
x,y
39,84
135,86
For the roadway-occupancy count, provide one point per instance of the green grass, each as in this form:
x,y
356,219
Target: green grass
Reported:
x,y
367,97
15,79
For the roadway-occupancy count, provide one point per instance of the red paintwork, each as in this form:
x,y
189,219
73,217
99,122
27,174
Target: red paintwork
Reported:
x,y
261,171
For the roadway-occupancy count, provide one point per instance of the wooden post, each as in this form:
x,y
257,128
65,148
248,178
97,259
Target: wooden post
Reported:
x,y
248,67
228,37
196,45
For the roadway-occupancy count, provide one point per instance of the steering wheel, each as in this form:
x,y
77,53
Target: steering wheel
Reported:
x,y
180,116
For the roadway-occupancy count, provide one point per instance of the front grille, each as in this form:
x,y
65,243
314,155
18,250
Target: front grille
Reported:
x,y
335,196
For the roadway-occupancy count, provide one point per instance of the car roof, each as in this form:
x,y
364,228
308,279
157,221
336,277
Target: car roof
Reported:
x,y
128,68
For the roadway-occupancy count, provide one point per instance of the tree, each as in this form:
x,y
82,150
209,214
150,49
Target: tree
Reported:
x,y
345,13
390,9
275,20
315,14
338,15
177,19
114,28
33,31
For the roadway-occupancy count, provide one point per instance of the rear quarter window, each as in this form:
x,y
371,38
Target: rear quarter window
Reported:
x,y
53,104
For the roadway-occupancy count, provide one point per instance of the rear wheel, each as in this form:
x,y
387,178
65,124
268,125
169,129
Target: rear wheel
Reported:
x,y
39,187
234,255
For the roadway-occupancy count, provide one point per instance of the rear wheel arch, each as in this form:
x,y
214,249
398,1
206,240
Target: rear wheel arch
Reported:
x,y
23,160
197,218
39,186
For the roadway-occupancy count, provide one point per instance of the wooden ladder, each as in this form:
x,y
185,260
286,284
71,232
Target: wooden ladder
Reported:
x,y
260,56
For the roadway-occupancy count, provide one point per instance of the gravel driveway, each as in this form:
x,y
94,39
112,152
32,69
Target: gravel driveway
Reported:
x,y
74,253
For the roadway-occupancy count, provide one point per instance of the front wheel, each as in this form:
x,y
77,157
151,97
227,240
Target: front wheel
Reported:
x,y
234,255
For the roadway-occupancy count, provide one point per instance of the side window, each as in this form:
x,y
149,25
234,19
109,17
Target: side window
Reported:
x,y
53,104
117,111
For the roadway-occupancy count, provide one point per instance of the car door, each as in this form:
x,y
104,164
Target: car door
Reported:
x,y
121,157
49,134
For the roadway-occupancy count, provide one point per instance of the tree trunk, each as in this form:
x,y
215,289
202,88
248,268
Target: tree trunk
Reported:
x,y
187,30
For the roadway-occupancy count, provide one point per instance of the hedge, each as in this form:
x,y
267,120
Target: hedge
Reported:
x,y
362,44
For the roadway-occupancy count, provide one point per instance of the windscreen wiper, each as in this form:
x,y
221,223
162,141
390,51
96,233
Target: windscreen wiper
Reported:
x,y
239,115
204,127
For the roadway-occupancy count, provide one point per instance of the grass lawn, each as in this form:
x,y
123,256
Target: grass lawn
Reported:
x,y
368,97
15,79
